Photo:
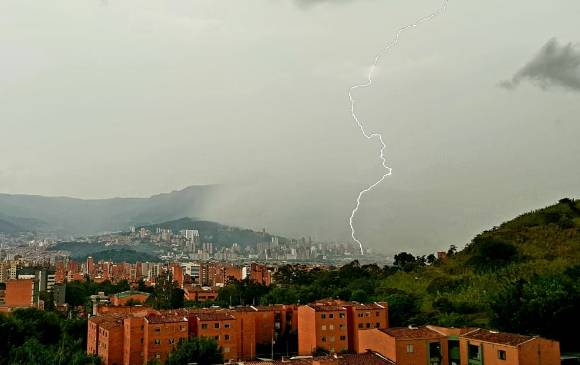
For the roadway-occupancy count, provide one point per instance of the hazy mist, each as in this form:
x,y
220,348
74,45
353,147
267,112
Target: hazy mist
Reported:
x,y
133,98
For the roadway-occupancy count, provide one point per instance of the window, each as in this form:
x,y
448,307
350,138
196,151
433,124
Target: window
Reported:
x,y
368,325
331,316
323,339
157,329
204,326
157,341
360,315
501,354
158,356
343,338
226,337
217,338
171,340
141,339
377,314
227,325
216,325
323,316
324,327
360,325
473,352
331,327
341,326
341,315
377,325
331,338
226,349
409,348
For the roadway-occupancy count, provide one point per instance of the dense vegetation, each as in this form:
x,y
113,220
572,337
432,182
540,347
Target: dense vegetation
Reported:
x,y
523,276
119,253
122,255
198,350
33,337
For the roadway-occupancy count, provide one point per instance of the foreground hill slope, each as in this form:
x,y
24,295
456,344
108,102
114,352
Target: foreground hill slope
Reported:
x,y
522,276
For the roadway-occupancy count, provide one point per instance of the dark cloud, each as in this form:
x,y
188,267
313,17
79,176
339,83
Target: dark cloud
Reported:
x,y
554,65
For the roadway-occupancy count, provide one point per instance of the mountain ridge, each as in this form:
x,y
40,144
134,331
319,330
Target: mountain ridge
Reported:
x,y
69,216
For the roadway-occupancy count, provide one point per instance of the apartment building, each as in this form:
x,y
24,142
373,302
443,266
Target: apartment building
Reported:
x,y
434,345
223,327
486,347
322,326
134,340
110,346
334,325
161,333
21,293
364,316
200,294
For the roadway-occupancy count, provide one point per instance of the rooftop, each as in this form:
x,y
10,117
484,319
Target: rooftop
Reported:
x,y
128,293
422,332
368,358
510,339
216,316
321,307
164,318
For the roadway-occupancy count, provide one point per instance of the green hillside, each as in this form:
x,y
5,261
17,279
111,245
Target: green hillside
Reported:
x,y
523,276
121,255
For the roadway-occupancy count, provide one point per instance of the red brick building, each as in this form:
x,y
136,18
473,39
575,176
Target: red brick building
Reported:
x,y
365,316
485,347
435,345
334,325
20,293
223,327
322,326
161,333
200,294
260,274
105,337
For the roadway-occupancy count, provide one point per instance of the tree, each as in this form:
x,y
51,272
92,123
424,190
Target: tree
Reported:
x,y
200,350
431,259
545,305
359,296
452,251
244,292
31,336
402,306
48,299
167,294
491,253
403,259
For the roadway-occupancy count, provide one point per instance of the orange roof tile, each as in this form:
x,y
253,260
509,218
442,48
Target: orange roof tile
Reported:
x,y
510,339
412,332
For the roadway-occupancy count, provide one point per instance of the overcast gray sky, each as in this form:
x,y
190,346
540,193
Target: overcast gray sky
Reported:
x,y
132,98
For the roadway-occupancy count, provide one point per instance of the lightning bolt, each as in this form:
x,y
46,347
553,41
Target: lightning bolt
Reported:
x,y
374,135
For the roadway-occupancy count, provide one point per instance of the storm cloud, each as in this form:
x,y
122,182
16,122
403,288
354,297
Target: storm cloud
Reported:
x,y
554,65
